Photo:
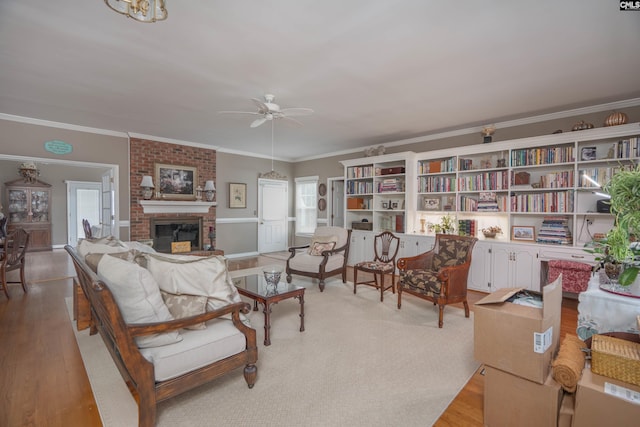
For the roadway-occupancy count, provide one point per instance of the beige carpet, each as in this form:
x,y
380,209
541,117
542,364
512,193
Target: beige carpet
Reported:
x,y
359,363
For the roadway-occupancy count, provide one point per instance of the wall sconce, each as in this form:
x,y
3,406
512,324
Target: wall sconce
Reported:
x,y
209,191
147,187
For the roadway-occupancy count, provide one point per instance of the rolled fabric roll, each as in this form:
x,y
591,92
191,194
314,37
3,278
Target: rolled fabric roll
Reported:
x,y
568,365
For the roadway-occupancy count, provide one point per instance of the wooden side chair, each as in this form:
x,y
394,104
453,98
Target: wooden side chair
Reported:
x,y
13,258
87,229
385,246
439,275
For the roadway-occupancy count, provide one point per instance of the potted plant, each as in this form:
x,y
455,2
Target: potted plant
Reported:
x,y
619,247
446,225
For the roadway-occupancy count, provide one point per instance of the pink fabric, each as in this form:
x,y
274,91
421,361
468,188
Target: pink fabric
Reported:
x,y
575,275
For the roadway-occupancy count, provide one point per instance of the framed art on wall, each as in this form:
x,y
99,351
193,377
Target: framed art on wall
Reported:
x,y
176,182
524,233
237,195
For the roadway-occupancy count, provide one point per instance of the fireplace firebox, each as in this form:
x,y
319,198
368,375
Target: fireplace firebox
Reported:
x,y
164,231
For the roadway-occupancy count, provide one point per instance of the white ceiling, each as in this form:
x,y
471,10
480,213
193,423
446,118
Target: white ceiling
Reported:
x,y
374,71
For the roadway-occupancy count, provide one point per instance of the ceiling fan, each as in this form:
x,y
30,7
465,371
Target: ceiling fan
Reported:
x,y
268,110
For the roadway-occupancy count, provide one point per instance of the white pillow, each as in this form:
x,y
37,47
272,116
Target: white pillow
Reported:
x,y
138,297
194,275
86,247
323,240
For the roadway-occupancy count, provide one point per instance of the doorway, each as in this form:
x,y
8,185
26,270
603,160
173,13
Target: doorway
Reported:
x,y
273,209
83,202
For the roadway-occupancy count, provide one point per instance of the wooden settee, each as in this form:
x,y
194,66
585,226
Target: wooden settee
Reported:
x,y
119,338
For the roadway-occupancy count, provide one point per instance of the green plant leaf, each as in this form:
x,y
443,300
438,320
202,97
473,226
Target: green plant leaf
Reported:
x,y
628,276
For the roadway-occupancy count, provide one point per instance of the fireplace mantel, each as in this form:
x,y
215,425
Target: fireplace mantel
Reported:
x,y
175,206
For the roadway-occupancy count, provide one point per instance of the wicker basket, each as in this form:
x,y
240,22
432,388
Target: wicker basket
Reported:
x,y
616,358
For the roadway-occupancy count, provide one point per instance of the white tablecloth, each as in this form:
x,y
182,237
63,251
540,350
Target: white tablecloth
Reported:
x,y
600,311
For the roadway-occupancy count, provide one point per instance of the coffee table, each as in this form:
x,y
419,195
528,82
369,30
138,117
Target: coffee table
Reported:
x,y
254,286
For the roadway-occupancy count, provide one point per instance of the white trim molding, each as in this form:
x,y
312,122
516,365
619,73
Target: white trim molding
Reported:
x,y
175,206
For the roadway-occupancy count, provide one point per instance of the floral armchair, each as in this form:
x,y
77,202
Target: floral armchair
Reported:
x,y
325,256
440,275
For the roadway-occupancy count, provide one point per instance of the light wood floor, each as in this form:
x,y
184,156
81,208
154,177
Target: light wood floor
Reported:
x,y
42,378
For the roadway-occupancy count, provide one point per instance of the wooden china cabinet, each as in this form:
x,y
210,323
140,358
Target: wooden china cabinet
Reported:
x,y
29,207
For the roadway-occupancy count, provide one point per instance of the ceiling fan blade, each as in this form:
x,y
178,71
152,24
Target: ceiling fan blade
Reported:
x,y
294,112
262,107
290,120
238,112
258,122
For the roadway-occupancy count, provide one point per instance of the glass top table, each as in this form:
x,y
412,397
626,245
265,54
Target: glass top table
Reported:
x,y
255,286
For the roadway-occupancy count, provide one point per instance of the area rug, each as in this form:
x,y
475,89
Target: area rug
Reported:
x,y
359,362
283,255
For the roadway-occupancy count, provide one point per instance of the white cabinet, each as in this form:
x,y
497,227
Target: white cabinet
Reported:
x,y
481,267
361,248
515,266
412,245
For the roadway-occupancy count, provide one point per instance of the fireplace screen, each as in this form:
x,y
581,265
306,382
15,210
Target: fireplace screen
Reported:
x,y
164,231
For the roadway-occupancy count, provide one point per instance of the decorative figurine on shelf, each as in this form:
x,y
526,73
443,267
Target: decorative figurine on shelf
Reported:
x,y
422,224
487,132
198,193
212,237
29,172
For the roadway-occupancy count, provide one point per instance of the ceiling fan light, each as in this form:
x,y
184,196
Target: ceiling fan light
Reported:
x,y
140,10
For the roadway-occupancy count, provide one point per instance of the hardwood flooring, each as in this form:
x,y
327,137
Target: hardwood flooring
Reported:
x,y
42,378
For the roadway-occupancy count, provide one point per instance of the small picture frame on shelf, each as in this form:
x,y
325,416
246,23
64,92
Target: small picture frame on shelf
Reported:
x,y
588,153
523,233
431,204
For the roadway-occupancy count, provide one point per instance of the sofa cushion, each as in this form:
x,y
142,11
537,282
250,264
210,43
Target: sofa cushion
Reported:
x,y
197,349
93,259
138,297
100,246
305,262
185,306
194,275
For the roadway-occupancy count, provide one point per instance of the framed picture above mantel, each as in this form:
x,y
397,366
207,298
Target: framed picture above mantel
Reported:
x,y
176,182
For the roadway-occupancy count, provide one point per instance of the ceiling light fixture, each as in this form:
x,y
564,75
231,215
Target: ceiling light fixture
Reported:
x,y
140,10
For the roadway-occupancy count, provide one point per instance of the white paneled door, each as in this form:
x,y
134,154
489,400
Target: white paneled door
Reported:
x,y
273,208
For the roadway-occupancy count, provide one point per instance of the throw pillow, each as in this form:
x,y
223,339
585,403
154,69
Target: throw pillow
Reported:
x,y
138,297
93,260
194,275
317,248
322,239
181,306
86,247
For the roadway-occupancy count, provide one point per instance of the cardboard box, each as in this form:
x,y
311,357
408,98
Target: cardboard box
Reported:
x,y
180,247
594,407
513,401
565,417
355,203
518,339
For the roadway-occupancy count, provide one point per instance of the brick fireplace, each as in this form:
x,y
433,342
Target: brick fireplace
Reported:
x,y
144,155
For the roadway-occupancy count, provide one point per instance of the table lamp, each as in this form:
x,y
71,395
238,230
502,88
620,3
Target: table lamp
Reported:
x,y
147,187
209,191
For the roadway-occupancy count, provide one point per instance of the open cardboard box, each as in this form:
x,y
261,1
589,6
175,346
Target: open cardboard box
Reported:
x,y
518,339
513,401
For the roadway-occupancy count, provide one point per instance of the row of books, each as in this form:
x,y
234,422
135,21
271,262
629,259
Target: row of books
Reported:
x,y
562,179
601,175
542,156
555,231
359,172
467,227
484,181
557,201
436,166
626,148
428,184
359,187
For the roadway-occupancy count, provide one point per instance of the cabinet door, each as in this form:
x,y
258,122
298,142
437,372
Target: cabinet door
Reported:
x,y
525,268
501,257
361,248
18,206
40,239
480,271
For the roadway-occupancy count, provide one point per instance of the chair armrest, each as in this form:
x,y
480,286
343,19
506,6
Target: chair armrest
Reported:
x,y
422,261
140,329
454,279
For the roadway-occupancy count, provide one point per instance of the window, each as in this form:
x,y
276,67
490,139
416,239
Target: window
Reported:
x,y
306,196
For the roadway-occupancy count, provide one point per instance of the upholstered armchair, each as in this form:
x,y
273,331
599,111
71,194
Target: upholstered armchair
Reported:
x,y
440,275
325,256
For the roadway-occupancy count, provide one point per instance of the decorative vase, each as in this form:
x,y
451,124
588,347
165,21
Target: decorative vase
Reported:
x,y
612,270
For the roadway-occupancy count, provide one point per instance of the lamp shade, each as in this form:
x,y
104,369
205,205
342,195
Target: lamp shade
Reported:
x,y
147,181
209,186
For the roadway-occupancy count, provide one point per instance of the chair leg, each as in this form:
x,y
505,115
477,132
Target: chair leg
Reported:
x,y
22,279
321,285
250,373
399,296
440,316
466,308
381,287
355,279
3,283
